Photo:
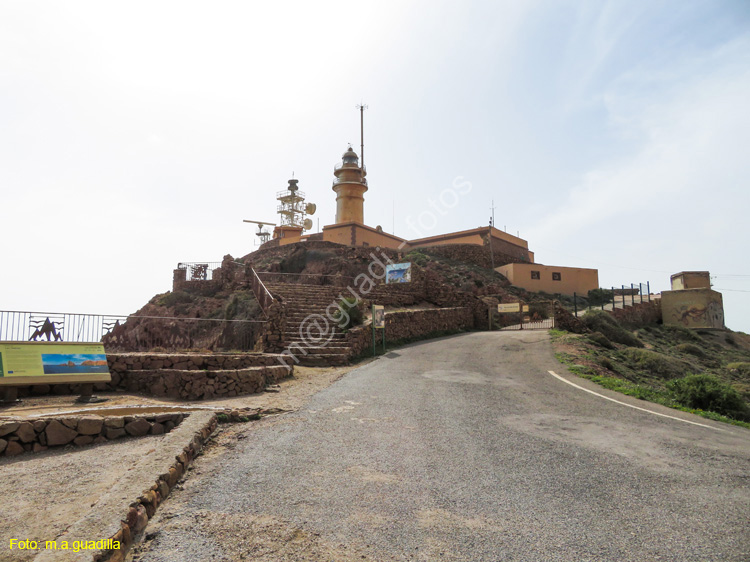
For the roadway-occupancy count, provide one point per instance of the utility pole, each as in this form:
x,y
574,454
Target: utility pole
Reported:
x,y
492,252
362,108
489,234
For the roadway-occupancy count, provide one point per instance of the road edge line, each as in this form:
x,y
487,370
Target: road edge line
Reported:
x,y
554,374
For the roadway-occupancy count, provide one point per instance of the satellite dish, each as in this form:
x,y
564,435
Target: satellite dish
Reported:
x,y
307,225
310,208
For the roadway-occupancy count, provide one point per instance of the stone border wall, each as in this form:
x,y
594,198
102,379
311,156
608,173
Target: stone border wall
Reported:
x,y
121,362
201,385
144,508
640,314
412,325
121,366
19,436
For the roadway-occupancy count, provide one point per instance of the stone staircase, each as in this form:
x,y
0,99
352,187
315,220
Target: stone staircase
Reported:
x,y
301,302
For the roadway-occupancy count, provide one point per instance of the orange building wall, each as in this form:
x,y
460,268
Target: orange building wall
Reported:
x,y
355,234
443,240
572,279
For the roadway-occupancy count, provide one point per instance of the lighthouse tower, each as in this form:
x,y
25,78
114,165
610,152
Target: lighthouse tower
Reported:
x,y
350,185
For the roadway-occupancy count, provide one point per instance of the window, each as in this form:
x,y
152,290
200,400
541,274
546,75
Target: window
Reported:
x,y
535,275
556,276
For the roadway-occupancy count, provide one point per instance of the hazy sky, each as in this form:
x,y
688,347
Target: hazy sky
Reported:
x,y
136,135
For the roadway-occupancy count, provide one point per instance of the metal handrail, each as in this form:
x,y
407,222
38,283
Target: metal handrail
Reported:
x,y
290,194
262,294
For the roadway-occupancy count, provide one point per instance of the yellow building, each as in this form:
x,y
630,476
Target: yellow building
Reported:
x,y
691,280
551,279
483,245
350,229
691,302
506,246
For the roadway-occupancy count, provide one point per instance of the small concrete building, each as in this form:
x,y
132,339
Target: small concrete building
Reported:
x,y
551,279
691,280
692,303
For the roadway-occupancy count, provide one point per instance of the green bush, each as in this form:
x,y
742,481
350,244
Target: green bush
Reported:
x,y
743,368
242,306
600,321
601,340
656,363
706,392
178,297
348,313
683,334
606,363
539,311
598,297
417,257
294,262
690,349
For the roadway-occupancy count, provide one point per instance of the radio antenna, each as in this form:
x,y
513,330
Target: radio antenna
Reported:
x,y
362,108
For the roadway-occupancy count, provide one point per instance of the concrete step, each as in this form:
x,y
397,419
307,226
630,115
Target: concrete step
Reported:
x,y
336,346
328,351
294,336
323,360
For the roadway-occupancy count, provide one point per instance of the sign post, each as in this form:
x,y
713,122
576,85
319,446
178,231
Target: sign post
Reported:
x,y
29,363
398,273
378,323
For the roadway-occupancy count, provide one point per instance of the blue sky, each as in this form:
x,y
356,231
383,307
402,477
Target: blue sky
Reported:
x,y
612,135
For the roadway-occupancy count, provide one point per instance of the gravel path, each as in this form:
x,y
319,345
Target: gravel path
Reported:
x,y
45,493
464,448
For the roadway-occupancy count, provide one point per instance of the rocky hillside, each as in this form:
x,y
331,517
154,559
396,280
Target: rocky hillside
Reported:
x,y
707,371
204,315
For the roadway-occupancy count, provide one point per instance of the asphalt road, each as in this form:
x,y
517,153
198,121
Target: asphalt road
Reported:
x,y
466,448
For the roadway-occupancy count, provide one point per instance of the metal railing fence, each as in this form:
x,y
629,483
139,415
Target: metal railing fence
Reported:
x,y
199,271
141,333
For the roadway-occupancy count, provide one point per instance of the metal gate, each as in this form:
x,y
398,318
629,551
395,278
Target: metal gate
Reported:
x,y
538,315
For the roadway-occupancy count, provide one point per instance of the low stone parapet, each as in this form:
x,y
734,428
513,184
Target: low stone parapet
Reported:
x,y
201,385
25,435
120,362
410,325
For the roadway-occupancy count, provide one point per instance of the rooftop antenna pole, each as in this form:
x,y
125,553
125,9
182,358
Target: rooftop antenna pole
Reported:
x,y
362,108
492,208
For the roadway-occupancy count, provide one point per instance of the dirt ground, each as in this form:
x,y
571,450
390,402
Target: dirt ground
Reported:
x,y
47,492
291,394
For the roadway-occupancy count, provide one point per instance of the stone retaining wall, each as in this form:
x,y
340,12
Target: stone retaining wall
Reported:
x,y
144,508
33,435
121,362
123,365
200,385
639,314
412,325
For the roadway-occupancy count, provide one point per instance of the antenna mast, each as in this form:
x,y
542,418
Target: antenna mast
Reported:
x,y
362,108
